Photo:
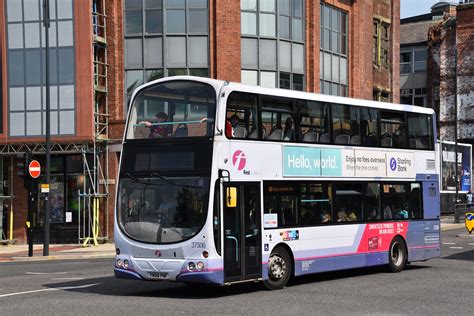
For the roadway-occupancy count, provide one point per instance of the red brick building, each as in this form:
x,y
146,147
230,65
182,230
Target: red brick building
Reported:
x,y
340,47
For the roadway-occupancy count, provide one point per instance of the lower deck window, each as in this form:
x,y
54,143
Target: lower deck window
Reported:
x,y
349,202
322,203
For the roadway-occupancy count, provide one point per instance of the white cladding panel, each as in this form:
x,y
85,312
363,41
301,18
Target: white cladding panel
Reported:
x,y
252,160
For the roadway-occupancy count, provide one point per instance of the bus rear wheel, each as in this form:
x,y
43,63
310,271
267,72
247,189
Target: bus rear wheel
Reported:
x,y
280,267
397,255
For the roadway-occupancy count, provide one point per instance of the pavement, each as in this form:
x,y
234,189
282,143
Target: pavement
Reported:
x,y
56,252
103,251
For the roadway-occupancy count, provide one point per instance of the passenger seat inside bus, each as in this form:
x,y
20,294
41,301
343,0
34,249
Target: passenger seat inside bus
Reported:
x,y
355,140
310,137
324,138
416,143
387,142
342,139
240,132
276,133
254,134
181,131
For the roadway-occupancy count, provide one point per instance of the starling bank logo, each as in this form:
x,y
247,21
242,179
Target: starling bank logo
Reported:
x,y
393,164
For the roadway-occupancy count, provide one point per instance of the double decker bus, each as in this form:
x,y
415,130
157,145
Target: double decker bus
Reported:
x,y
222,183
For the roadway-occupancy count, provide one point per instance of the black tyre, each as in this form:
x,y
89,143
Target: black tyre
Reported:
x,y
280,268
397,255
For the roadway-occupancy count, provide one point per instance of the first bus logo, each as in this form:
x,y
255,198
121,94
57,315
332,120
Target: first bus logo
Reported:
x,y
239,159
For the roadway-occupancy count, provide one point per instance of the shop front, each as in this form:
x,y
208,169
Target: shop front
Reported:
x,y
68,180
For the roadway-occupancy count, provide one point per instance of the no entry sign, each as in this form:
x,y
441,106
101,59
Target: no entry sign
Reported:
x,y
34,168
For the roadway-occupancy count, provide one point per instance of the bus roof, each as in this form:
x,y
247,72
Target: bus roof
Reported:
x,y
300,95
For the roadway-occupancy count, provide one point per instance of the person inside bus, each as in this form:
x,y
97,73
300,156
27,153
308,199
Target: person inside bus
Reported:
x,y
157,129
352,217
399,137
342,215
389,208
231,127
133,209
325,216
387,212
289,132
402,213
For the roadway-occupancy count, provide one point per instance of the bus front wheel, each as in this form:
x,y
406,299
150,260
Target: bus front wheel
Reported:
x,y
280,267
397,255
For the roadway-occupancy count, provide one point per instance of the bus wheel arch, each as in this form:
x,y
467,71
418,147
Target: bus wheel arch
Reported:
x,y
280,267
397,254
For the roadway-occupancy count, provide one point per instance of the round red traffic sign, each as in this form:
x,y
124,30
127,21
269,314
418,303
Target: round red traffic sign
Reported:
x,y
34,168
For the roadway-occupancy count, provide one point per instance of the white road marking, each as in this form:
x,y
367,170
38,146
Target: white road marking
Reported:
x,y
68,279
449,243
455,247
471,243
49,290
45,273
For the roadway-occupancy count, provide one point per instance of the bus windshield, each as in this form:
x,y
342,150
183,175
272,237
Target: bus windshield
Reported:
x,y
173,109
162,209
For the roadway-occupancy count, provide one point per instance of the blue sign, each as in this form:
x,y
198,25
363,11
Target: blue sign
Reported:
x,y
466,169
311,162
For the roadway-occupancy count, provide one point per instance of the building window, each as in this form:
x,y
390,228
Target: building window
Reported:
x,y
381,47
413,96
413,59
272,43
165,38
382,95
27,72
334,51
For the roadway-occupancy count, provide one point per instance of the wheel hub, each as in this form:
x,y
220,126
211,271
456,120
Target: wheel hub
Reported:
x,y
277,267
397,255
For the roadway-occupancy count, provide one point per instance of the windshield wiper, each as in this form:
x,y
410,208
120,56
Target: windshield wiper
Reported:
x,y
128,174
157,175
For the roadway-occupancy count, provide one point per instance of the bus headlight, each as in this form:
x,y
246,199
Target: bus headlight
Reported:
x,y
200,266
125,264
119,263
191,266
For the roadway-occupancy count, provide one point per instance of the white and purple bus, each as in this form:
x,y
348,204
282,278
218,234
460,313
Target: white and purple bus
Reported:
x,y
222,183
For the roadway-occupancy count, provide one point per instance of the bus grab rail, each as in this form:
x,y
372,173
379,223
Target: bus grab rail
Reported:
x,y
236,246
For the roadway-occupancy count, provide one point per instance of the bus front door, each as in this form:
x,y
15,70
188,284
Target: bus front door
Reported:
x,y
242,233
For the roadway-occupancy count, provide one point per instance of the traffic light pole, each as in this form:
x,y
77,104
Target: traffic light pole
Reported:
x,y
48,133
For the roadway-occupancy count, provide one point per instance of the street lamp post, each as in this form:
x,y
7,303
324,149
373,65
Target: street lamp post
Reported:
x,y
456,121
47,203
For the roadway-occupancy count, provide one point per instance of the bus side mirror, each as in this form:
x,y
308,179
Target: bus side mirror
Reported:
x,y
231,197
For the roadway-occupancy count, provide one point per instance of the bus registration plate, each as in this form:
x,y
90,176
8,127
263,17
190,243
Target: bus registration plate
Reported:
x,y
158,275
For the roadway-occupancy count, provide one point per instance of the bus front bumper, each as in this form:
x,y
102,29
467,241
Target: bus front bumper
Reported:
x,y
169,270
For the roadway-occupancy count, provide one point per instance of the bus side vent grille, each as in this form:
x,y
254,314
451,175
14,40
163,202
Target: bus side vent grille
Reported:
x,y
430,164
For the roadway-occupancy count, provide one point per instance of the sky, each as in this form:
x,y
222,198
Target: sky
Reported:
x,y
410,8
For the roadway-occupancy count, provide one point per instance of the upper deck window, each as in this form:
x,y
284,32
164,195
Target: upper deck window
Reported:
x,y
174,109
285,119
